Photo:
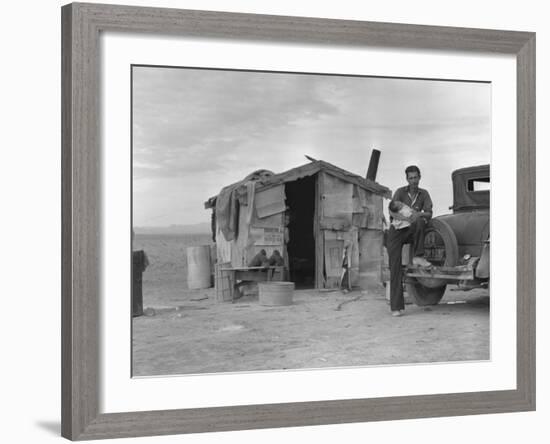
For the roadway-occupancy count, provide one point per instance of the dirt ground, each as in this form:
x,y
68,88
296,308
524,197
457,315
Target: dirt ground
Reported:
x,y
192,333
187,331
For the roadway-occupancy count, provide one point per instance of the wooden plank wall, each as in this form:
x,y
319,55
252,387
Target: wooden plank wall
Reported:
x,y
266,233
336,222
337,203
371,259
261,233
349,214
344,212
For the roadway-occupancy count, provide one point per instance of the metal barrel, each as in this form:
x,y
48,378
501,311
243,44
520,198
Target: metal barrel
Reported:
x,y
198,267
276,293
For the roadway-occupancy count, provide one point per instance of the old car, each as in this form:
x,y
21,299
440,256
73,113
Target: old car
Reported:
x,y
456,244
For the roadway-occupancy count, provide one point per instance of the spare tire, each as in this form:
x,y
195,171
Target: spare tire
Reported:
x,y
441,248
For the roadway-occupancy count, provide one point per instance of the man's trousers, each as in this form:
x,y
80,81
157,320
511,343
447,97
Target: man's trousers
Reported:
x,y
413,234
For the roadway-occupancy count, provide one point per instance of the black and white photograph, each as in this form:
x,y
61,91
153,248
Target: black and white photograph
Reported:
x,y
288,221
232,221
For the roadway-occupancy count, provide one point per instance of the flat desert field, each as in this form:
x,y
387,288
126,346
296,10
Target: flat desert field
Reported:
x,y
187,332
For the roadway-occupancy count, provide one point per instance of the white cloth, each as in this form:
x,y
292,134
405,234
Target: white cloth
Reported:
x,y
400,224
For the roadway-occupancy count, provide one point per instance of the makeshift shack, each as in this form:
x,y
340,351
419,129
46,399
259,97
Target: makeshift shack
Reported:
x,y
314,215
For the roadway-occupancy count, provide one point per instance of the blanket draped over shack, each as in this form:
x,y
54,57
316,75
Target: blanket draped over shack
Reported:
x,y
228,207
227,212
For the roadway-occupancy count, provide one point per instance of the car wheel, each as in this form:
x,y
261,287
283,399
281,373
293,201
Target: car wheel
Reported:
x,y
439,236
423,296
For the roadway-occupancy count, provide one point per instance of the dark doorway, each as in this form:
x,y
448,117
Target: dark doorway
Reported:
x,y
300,200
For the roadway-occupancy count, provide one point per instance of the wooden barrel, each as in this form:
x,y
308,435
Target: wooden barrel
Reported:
x,y
276,293
198,267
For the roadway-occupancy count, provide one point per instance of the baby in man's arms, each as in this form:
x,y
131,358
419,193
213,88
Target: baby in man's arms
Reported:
x,y
401,214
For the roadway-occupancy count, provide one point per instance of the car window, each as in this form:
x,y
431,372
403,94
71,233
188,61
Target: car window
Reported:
x,y
479,184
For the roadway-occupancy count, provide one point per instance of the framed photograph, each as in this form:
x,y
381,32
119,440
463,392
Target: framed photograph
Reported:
x,y
278,221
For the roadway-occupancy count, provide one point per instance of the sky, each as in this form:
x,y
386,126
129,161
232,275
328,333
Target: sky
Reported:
x,y
196,131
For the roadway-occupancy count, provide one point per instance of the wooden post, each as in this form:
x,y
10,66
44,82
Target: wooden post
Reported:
x,y
318,233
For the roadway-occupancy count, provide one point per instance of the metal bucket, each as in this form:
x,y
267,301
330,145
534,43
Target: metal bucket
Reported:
x,y
198,267
276,293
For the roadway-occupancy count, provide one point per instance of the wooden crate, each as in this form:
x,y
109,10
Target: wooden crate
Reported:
x,y
224,282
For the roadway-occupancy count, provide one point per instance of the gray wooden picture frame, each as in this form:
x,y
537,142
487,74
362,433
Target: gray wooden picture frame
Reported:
x,y
81,172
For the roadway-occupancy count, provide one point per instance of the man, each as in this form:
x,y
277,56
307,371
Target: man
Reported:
x,y
420,202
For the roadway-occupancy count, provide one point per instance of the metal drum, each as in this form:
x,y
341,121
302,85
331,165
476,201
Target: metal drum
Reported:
x,y
276,293
198,267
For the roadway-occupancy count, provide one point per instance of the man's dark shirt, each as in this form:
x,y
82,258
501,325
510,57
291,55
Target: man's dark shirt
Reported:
x,y
423,201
